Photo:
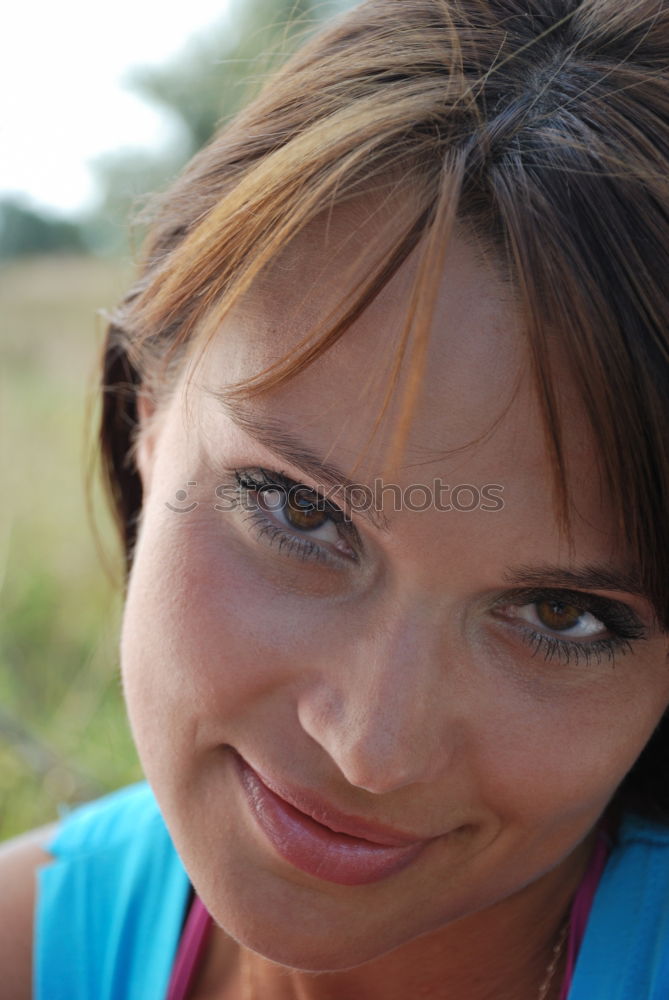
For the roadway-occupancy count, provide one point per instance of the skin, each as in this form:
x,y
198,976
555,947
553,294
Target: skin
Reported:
x,y
20,859
389,685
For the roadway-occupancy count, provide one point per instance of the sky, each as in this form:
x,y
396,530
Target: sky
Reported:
x,y
63,101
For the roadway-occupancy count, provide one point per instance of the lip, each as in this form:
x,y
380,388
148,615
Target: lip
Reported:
x,y
320,840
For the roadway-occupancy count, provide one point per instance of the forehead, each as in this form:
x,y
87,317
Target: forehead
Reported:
x,y
476,420
475,342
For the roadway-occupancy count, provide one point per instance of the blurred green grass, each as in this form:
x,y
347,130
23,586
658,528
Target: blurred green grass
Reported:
x,y
63,731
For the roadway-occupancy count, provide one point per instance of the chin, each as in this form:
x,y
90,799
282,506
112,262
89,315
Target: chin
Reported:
x,y
308,948
330,957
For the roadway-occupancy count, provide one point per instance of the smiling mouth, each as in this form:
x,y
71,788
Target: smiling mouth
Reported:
x,y
343,855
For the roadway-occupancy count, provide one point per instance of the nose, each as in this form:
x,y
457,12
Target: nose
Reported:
x,y
381,716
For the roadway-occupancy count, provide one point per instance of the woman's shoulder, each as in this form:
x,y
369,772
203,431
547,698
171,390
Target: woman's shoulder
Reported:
x,y
19,860
105,822
625,952
636,829
68,886
82,827
110,907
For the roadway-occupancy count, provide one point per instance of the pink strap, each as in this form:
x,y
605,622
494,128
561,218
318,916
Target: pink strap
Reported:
x,y
190,951
199,923
580,908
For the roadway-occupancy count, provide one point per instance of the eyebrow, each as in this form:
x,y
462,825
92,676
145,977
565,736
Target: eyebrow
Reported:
x,y
278,439
587,578
271,434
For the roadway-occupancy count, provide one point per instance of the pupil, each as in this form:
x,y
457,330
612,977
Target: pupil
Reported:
x,y
556,615
305,515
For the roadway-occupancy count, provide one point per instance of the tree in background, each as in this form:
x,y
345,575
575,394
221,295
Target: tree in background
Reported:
x,y
203,86
215,73
25,231
218,71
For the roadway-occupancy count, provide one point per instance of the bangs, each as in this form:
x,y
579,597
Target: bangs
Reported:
x,y
455,116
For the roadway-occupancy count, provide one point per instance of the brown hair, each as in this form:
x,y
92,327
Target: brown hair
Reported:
x,y
544,129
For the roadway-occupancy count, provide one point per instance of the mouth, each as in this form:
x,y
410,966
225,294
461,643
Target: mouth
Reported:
x,y
323,842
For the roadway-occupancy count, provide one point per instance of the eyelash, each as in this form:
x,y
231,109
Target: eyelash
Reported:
x,y
303,548
624,627
566,649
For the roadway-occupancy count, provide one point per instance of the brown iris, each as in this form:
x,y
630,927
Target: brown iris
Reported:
x,y
301,511
556,615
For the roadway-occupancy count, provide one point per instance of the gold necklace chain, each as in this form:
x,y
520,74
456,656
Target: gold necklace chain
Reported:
x,y
551,969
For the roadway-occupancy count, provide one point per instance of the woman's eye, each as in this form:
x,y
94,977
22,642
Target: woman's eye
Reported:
x,y
298,509
295,518
559,616
569,624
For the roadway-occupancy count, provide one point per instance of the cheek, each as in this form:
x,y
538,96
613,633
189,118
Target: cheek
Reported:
x,y
207,637
561,757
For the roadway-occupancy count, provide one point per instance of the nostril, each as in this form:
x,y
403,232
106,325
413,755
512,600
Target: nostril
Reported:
x,y
376,770
366,749
381,735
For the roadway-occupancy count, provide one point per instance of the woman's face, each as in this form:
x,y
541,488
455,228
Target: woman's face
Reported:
x,y
422,674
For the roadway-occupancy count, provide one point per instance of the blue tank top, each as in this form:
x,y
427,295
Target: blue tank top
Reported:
x,y
110,909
